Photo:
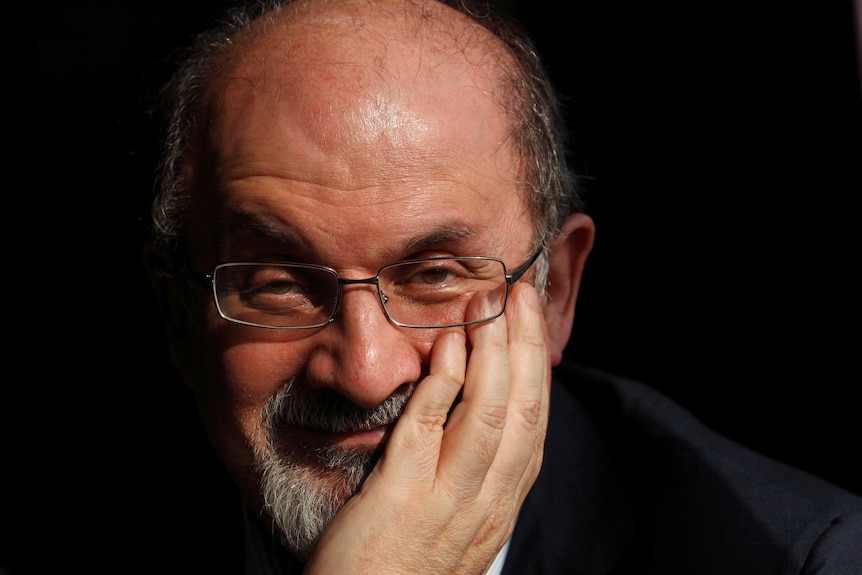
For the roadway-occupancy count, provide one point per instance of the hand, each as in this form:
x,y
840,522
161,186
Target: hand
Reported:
x,y
445,494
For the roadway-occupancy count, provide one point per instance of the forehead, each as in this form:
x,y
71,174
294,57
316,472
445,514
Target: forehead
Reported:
x,y
368,118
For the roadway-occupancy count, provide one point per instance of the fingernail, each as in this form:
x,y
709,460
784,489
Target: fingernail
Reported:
x,y
492,302
459,337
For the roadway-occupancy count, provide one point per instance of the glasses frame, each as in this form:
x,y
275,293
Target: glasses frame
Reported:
x,y
208,281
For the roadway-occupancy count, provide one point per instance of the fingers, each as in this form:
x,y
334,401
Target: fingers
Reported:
x,y
416,440
476,425
529,393
495,436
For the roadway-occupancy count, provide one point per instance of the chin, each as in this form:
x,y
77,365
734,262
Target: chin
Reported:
x,y
302,492
317,449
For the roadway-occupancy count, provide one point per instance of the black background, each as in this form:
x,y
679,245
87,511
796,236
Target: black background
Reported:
x,y
721,144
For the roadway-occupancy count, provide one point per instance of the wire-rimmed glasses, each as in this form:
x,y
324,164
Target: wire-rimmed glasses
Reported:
x,y
419,293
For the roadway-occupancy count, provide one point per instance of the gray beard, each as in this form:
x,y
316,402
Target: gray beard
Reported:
x,y
302,488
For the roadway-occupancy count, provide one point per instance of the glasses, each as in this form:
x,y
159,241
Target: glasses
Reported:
x,y
422,293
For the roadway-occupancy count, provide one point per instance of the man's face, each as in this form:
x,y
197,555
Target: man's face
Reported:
x,y
352,166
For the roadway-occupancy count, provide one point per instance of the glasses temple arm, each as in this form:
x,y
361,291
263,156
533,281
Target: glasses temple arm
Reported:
x,y
516,273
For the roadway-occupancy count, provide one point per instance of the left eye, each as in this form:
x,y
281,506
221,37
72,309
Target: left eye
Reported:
x,y
434,275
278,287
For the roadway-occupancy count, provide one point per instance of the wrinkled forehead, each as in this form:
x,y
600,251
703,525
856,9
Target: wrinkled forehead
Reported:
x,y
383,98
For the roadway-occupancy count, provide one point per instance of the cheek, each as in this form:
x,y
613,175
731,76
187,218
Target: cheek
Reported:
x,y
422,341
239,369
247,365
251,372
247,374
237,377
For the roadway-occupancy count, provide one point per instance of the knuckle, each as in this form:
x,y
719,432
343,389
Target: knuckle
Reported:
x,y
430,422
534,338
453,378
531,413
496,528
493,416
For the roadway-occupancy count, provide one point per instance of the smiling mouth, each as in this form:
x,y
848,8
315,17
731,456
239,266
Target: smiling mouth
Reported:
x,y
371,436
303,420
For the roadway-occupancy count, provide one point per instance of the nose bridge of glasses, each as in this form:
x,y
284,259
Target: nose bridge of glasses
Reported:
x,y
375,281
346,281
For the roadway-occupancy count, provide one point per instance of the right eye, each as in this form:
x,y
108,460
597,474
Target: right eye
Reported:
x,y
435,275
275,289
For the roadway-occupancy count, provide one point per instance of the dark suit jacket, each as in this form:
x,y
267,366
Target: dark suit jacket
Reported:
x,y
632,483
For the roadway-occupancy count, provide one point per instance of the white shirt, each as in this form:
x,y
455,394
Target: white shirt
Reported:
x,y
497,566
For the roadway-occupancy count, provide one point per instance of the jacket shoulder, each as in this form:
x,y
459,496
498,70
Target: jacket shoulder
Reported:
x,y
700,497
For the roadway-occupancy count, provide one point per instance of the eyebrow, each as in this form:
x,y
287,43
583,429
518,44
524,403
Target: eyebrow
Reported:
x,y
242,223
271,229
443,234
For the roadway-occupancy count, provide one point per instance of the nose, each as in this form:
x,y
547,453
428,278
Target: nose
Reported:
x,y
362,356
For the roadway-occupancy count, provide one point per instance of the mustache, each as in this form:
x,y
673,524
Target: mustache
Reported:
x,y
329,412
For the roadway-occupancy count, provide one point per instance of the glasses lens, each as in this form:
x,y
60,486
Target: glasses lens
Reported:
x,y
275,295
435,292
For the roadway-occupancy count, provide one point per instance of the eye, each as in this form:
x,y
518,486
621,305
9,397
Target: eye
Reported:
x,y
275,280
439,278
436,275
261,290
278,289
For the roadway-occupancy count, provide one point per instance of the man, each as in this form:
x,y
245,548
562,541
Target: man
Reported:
x,y
368,250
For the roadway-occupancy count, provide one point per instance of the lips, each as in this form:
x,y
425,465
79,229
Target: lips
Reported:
x,y
370,436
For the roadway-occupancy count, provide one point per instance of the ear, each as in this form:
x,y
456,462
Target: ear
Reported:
x,y
165,282
568,254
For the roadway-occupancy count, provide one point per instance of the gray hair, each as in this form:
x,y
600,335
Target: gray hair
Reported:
x,y
537,128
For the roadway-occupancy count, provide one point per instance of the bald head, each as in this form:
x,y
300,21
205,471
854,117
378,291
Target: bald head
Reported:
x,y
382,37
361,74
362,52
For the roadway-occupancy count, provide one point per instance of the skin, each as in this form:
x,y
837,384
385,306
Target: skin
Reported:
x,y
354,147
